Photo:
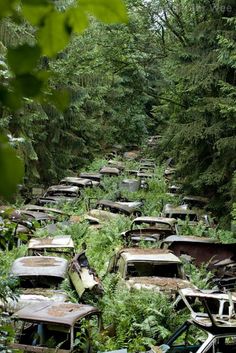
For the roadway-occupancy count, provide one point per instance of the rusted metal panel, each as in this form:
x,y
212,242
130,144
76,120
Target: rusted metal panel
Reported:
x,y
160,284
131,155
202,252
91,176
63,313
34,296
155,221
110,171
65,243
152,255
62,188
126,208
44,209
83,276
130,185
80,182
116,164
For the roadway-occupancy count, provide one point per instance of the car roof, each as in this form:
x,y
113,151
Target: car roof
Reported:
x,y
61,313
43,209
37,216
65,188
188,238
79,181
158,255
148,219
40,266
217,323
59,241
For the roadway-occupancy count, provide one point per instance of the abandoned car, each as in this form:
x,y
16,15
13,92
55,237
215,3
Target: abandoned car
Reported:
x,y
37,208
212,329
184,213
220,258
109,171
59,193
198,202
56,327
80,182
153,269
151,229
90,175
39,279
125,208
60,245
83,276
133,185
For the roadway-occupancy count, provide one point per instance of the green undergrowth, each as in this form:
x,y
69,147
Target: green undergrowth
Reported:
x,y
133,319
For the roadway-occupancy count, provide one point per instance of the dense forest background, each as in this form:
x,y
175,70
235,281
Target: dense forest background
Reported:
x,y
170,70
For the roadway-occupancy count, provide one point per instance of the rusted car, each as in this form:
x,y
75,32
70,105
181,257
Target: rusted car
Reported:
x,y
59,245
56,327
32,216
91,176
198,202
124,208
116,164
220,258
109,171
59,193
131,155
184,213
133,185
39,279
212,329
174,190
147,174
153,269
149,229
37,208
80,182
153,140
169,173
95,218
83,277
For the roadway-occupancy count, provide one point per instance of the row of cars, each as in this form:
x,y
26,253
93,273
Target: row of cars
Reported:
x,y
50,322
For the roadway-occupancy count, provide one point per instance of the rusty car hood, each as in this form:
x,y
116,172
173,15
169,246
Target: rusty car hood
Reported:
x,y
160,284
34,296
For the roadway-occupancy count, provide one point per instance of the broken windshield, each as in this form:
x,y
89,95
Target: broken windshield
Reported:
x,y
148,269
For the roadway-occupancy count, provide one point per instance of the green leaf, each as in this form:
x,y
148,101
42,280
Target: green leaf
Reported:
x,y
11,167
23,59
36,14
77,19
28,85
108,11
53,36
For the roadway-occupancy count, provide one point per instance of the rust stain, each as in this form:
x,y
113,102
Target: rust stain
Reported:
x,y
62,310
40,262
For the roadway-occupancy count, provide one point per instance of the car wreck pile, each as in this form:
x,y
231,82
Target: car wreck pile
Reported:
x,y
151,258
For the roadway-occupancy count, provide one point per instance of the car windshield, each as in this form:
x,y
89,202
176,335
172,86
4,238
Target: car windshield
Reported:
x,y
43,335
39,281
148,269
184,216
160,226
